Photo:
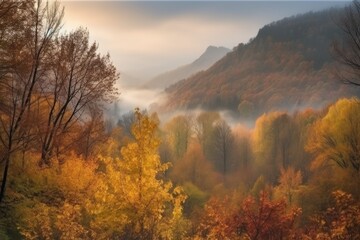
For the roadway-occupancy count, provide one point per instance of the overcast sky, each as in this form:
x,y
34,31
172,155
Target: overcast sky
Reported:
x,y
146,38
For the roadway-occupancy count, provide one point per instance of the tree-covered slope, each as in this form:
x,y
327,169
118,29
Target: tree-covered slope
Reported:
x,y
287,65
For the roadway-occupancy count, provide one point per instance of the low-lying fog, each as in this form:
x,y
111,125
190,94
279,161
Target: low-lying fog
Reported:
x,y
141,98
146,99
131,98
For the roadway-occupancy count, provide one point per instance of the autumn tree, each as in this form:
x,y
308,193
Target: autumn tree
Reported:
x,y
134,201
82,79
216,220
242,141
289,183
265,219
339,221
348,52
272,139
21,81
223,141
302,128
91,135
179,131
126,121
336,137
254,218
13,18
203,128
50,205
195,168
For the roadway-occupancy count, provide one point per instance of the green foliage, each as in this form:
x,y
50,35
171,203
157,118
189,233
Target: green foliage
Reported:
x,y
3,232
195,198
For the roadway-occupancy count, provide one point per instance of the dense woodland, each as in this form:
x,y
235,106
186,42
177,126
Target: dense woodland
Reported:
x,y
67,174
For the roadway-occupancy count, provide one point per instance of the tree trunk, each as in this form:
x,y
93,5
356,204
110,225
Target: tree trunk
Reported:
x,y
5,174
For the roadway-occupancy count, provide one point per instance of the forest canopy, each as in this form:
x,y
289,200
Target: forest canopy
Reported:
x,y
66,173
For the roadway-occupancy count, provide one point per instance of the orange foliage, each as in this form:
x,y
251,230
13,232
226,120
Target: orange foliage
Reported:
x,y
254,219
196,168
341,221
265,219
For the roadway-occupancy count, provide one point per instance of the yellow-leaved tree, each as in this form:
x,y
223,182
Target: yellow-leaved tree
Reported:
x,y
335,142
336,137
50,203
134,201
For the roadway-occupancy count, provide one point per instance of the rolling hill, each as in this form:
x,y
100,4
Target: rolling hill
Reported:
x,y
288,65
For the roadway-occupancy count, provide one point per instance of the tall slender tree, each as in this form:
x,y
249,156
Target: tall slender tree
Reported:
x,y
223,143
81,79
26,70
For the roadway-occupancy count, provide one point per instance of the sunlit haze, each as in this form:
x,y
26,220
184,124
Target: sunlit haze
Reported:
x,y
179,119
148,38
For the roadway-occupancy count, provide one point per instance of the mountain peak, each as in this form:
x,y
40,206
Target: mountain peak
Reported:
x,y
286,66
211,55
215,48
212,52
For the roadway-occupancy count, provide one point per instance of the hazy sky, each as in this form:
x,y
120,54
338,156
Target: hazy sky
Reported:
x,y
146,38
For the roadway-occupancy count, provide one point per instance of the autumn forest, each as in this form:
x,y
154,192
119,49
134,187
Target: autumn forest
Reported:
x,y
223,157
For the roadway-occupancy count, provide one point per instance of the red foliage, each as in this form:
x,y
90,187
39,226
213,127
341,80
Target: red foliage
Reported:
x,y
254,219
265,219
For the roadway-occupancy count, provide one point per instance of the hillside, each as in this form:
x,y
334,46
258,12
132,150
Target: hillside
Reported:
x,y
288,65
206,60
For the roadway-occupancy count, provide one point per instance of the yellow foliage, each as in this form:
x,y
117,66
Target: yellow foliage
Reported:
x,y
336,137
132,198
289,184
36,223
68,222
49,202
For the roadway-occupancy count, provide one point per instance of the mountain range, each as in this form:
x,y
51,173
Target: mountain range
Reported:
x,y
288,65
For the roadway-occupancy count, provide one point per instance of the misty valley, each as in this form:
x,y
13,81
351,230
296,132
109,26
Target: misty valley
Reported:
x,y
259,140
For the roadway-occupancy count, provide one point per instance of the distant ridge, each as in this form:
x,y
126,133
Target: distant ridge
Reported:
x,y
208,58
287,66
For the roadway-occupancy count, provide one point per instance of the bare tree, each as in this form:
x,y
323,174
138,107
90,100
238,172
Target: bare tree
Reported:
x,y
348,51
19,83
13,19
92,134
80,79
223,142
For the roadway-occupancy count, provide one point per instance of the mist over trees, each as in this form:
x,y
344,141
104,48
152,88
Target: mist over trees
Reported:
x,y
289,65
66,174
